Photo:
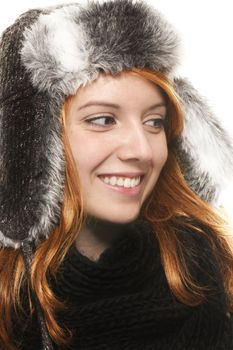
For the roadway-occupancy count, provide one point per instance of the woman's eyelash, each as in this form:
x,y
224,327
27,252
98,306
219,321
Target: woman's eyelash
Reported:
x,y
101,121
158,122
105,121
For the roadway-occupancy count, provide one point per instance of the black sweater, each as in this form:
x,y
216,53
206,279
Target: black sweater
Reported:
x,y
123,302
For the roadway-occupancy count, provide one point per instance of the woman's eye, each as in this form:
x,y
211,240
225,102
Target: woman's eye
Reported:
x,y
155,123
101,121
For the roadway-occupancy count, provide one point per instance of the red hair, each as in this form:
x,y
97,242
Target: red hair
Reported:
x,y
165,209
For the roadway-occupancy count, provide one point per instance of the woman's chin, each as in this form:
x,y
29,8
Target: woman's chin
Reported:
x,y
115,219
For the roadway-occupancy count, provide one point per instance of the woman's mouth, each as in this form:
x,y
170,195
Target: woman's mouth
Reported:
x,y
120,181
124,184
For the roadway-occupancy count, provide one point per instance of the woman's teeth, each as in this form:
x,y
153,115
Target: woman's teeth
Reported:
x,y
121,181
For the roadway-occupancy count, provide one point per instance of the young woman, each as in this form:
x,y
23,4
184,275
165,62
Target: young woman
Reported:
x,y
110,170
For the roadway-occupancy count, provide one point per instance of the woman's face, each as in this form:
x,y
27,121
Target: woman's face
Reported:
x,y
115,129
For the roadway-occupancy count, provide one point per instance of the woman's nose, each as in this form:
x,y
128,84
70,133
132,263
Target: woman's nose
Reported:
x,y
135,145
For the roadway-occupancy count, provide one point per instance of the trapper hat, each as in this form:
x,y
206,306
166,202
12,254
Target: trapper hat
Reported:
x,y
45,56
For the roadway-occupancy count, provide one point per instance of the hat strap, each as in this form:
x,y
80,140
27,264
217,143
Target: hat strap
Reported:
x,y
27,250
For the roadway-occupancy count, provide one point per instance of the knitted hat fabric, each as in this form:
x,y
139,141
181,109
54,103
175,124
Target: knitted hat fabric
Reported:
x,y
45,56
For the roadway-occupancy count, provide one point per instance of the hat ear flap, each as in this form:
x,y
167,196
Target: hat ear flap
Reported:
x,y
31,163
31,152
205,149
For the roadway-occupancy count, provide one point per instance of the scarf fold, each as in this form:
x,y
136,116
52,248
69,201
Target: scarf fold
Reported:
x,y
123,301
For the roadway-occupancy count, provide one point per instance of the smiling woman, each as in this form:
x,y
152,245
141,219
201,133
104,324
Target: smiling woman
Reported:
x,y
109,171
135,139
123,174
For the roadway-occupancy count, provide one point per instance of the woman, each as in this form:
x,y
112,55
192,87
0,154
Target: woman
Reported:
x,y
110,169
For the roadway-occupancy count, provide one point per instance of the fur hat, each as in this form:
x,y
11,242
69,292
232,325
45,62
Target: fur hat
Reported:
x,y
45,56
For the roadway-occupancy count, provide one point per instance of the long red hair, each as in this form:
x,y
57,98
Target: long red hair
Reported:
x,y
165,209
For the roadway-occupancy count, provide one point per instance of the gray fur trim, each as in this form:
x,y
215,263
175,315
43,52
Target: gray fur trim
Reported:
x,y
46,55
54,52
50,205
205,147
8,242
67,48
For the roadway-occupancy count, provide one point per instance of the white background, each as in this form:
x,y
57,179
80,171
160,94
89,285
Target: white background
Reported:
x,y
206,30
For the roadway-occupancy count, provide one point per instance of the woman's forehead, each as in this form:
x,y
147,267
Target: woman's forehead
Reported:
x,y
122,87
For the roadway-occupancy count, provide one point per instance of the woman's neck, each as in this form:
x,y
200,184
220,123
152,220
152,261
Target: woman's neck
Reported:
x,y
97,235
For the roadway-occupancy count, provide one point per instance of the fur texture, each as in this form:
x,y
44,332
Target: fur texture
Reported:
x,y
205,148
31,152
54,52
69,46
45,56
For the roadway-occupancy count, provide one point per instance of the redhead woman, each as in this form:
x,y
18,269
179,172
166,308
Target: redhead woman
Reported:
x,y
110,169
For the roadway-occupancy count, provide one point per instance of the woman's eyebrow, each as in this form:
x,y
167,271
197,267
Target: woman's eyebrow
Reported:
x,y
116,106
99,103
156,105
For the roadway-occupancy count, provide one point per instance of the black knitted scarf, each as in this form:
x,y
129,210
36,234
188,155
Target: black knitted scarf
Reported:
x,y
123,301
